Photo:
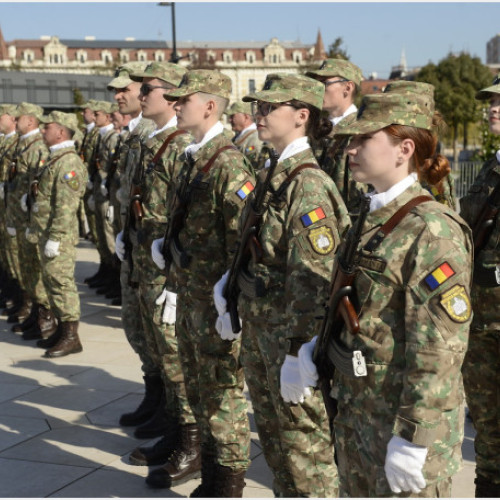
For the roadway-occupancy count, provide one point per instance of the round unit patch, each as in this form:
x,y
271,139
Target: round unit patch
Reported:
x,y
456,303
321,240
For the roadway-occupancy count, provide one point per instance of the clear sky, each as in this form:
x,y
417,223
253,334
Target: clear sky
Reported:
x,y
374,33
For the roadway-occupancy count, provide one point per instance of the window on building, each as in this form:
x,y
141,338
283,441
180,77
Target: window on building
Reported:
x,y
7,89
251,86
275,59
30,90
52,91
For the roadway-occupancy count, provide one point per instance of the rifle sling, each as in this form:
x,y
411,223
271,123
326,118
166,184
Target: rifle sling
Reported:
x,y
165,144
291,177
387,228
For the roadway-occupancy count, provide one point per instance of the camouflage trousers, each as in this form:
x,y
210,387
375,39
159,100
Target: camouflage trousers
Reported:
x,y
58,275
12,254
166,349
30,267
295,437
361,439
133,325
105,234
90,216
214,382
481,372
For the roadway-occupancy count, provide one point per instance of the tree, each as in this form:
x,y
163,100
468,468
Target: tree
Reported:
x,y
335,50
456,79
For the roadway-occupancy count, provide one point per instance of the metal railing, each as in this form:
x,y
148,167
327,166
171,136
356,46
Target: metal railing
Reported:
x,y
464,173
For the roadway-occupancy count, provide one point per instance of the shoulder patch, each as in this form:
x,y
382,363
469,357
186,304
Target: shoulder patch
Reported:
x,y
249,149
72,180
312,217
456,303
321,239
439,276
245,190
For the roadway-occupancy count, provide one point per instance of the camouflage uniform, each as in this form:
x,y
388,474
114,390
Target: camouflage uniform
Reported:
x,y
481,368
295,268
29,156
412,291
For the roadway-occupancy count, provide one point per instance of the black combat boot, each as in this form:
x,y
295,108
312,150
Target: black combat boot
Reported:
x,y
183,464
486,488
44,327
52,340
157,425
146,409
208,469
18,314
228,483
69,343
97,275
29,322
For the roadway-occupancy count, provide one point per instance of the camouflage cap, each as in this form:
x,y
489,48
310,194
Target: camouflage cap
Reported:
x,y
8,109
485,94
409,87
239,107
104,106
338,67
68,120
26,108
122,77
207,81
114,107
282,87
88,104
381,110
166,71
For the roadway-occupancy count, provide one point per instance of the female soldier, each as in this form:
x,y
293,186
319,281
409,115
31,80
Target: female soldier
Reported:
x,y
399,425
303,220
482,363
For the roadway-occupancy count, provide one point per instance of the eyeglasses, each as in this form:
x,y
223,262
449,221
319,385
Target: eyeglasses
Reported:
x,y
331,82
264,108
146,89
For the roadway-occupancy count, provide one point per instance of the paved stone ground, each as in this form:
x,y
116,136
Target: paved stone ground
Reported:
x,y
59,433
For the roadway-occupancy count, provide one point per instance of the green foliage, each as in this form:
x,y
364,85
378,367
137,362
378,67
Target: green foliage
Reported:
x,y
335,50
490,143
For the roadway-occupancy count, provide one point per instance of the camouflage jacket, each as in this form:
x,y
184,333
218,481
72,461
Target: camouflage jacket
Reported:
x,y
31,152
485,300
446,195
156,181
6,153
88,150
299,233
105,156
333,160
61,185
413,297
250,145
210,229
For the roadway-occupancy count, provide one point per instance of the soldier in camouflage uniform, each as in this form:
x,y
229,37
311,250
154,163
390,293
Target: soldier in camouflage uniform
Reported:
x,y
61,185
212,174
304,219
106,150
442,191
11,279
342,81
155,177
246,138
400,421
29,157
482,363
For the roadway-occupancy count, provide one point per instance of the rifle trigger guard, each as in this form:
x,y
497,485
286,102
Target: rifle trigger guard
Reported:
x,y
339,294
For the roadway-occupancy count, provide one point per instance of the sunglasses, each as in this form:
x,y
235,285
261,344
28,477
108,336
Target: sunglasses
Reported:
x,y
264,108
146,89
326,84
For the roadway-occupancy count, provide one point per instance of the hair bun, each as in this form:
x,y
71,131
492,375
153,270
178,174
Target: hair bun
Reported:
x,y
435,169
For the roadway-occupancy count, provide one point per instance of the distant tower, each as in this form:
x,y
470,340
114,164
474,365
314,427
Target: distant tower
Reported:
x,y
319,48
402,63
401,70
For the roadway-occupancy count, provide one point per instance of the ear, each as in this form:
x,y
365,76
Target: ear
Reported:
x,y
210,107
407,148
302,116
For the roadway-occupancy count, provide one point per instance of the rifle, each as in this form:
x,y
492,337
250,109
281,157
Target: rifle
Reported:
x,y
114,165
485,221
249,246
339,310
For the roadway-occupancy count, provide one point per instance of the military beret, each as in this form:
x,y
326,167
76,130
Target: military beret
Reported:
x,y
486,93
239,107
168,72
378,111
338,67
26,108
202,80
122,77
282,87
68,120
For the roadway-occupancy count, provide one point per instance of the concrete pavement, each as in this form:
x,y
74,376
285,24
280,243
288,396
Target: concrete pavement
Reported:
x,y
59,432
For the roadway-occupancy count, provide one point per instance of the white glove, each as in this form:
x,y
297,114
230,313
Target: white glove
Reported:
x,y
225,329
170,300
2,191
24,207
293,390
103,189
308,370
156,253
110,214
91,203
11,231
403,465
219,301
51,249
35,207
90,185
120,246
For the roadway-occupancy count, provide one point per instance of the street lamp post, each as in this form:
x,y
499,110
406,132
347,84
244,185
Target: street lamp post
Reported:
x,y
174,57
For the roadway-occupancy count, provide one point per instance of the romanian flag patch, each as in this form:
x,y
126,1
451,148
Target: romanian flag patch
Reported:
x,y
69,175
245,190
439,276
313,216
